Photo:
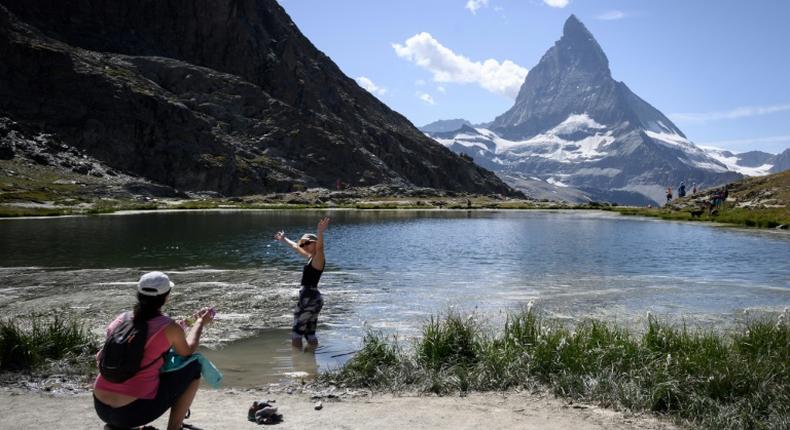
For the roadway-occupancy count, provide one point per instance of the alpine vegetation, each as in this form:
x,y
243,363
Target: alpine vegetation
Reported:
x,y
739,379
26,343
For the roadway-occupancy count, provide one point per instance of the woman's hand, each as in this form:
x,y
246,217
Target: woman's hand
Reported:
x,y
323,224
206,314
280,235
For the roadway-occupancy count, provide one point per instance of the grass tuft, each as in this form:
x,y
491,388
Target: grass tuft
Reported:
x,y
26,343
739,379
450,341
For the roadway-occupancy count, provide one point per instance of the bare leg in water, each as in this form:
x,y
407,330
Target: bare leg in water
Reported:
x,y
179,409
296,342
312,344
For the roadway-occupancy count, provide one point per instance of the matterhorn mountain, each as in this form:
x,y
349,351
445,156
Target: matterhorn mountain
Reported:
x,y
575,133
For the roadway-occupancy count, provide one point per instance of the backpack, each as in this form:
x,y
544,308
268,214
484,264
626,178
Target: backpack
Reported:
x,y
123,350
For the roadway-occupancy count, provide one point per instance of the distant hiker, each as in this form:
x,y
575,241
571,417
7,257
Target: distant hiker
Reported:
x,y
130,393
310,246
694,188
669,195
716,198
682,190
468,204
725,193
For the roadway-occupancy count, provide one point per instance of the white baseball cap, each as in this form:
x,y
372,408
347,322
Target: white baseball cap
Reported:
x,y
308,237
154,284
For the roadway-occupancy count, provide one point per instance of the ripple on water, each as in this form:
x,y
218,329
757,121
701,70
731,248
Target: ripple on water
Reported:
x,y
390,271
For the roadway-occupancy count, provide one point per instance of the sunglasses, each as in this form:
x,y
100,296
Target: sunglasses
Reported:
x,y
303,244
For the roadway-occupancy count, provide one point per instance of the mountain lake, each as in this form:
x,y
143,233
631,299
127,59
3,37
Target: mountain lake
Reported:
x,y
388,271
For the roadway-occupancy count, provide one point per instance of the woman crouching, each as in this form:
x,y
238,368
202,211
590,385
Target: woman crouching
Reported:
x,y
142,397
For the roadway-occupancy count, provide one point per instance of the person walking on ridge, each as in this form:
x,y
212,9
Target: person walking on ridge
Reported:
x,y
310,246
682,190
669,195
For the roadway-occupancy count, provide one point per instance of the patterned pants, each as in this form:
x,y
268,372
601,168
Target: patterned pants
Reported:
x,y
306,313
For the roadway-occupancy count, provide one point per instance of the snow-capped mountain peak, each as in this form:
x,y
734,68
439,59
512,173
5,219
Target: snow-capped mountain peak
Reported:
x,y
573,124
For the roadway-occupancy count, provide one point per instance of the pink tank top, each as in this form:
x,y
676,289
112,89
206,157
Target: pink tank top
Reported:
x,y
145,383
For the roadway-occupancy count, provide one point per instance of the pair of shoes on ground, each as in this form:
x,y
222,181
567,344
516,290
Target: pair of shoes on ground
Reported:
x,y
264,412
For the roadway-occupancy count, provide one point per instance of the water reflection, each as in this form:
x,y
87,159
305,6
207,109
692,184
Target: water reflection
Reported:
x,y
267,357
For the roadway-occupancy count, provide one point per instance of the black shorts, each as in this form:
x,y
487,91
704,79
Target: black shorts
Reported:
x,y
306,312
143,411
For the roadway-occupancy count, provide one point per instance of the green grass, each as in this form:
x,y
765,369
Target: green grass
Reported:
x,y
16,211
27,343
761,218
449,341
734,380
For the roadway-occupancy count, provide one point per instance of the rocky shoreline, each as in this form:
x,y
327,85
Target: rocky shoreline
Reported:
x,y
31,189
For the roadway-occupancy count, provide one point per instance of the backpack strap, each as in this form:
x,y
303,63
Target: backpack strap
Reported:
x,y
152,362
150,338
164,322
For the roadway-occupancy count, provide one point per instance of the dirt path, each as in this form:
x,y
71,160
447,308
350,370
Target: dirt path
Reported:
x,y
227,410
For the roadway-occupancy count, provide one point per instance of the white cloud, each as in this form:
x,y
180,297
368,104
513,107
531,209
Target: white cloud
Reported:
x,y
367,84
557,3
427,98
419,82
503,78
441,89
474,5
741,112
611,15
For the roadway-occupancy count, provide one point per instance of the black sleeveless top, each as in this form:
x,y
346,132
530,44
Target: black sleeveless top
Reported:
x,y
310,275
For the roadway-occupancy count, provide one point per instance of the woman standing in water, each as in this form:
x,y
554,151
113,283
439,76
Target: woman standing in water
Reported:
x,y
310,246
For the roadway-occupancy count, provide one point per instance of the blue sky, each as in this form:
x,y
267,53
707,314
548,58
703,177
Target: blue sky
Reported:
x,y
720,70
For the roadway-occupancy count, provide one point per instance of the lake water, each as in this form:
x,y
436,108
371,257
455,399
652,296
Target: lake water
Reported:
x,y
389,270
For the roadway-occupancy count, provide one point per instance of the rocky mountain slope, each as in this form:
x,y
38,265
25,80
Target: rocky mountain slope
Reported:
x,y
752,163
215,95
445,125
576,128
780,162
769,191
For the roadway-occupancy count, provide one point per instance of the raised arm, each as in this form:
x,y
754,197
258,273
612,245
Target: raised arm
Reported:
x,y
318,257
280,237
186,344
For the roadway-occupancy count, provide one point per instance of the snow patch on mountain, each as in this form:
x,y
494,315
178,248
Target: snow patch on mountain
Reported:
x,y
553,181
575,123
577,138
674,140
732,162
